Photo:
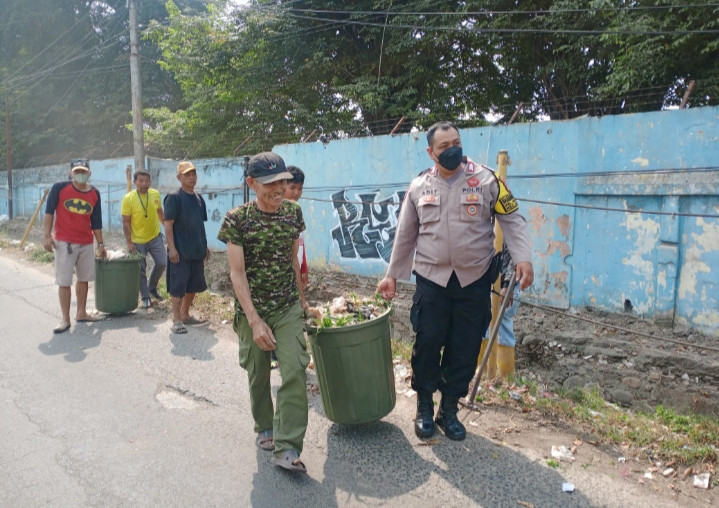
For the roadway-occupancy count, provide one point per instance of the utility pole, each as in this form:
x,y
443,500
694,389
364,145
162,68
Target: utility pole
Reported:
x,y
8,153
136,87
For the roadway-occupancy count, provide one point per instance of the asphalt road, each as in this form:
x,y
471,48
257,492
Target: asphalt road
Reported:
x,y
122,413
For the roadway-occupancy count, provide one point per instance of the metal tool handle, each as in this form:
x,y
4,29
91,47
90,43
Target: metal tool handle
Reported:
x,y
492,339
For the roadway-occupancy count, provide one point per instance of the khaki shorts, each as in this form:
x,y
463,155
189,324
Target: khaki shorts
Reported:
x,y
80,261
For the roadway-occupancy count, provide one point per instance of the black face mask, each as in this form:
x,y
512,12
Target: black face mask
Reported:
x,y
451,158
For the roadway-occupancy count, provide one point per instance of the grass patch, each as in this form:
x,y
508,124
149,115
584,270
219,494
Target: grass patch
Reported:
x,y
40,255
664,435
402,349
212,304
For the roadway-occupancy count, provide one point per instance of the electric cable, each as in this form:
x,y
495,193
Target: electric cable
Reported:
x,y
614,327
629,8
485,30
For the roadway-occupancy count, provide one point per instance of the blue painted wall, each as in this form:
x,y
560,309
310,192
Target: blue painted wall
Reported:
x,y
666,265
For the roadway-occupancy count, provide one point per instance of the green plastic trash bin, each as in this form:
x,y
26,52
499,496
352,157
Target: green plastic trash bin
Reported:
x,y
354,369
117,285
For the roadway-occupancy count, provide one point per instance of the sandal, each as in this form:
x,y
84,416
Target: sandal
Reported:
x,y
179,328
265,440
194,321
62,326
290,460
91,318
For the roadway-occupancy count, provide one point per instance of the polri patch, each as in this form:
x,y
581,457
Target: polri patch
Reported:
x,y
506,203
472,210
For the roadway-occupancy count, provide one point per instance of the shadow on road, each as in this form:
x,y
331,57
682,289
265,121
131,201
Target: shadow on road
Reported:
x,y
197,343
376,463
74,342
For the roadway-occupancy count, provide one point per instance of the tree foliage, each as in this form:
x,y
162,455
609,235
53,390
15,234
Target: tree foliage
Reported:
x,y
278,70
64,66
221,77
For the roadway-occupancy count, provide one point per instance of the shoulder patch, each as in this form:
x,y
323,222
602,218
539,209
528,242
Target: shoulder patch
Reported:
x,y
506,203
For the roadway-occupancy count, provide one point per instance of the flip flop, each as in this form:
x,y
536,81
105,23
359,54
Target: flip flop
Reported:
x,y
265,440
179,328
61,327
290,460
91,319
194,321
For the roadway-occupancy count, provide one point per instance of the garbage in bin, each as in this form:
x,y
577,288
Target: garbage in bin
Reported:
x,y
117,284
354,364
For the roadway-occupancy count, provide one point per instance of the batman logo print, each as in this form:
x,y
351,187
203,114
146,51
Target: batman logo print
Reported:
x,y
78,206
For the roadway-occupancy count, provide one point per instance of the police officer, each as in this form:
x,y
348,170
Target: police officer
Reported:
x,y
446,222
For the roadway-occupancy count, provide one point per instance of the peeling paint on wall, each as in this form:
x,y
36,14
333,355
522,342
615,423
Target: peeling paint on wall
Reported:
x,y
565,225
559,246
645,232
702,243
537,218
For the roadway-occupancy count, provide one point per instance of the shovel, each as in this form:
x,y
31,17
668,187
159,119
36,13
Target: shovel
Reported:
x,y
474,385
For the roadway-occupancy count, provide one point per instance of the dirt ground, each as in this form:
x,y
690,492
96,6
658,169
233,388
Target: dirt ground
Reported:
x,y
634,363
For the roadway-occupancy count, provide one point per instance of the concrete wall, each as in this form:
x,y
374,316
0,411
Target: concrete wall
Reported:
x,y
666,265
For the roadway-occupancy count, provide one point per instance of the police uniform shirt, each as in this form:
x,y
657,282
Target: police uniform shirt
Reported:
x,y
449,227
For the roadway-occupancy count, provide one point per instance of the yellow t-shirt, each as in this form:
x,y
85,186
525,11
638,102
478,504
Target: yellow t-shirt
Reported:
x,y
144,222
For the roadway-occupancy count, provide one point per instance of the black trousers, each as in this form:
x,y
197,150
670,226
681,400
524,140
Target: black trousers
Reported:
x,y
450,323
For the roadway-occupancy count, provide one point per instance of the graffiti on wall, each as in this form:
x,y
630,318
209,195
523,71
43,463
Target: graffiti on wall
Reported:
x,y
366,226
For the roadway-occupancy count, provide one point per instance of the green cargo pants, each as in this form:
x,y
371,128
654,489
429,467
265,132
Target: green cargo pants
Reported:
x,y
289,421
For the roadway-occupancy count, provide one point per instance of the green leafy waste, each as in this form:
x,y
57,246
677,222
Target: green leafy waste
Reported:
x,y
347,310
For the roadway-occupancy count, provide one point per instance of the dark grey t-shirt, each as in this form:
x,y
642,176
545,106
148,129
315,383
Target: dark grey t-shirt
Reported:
x,y
190,214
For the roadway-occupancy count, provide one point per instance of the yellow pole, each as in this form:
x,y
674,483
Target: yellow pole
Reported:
x,y
34,216
128,177
502,163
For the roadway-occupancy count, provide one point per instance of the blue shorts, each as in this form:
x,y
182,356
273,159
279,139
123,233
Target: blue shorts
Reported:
x,y
186,277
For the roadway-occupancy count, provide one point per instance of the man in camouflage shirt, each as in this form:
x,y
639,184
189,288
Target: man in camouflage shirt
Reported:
x,y
262,240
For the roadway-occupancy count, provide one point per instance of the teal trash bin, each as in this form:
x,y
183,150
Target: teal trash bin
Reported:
x,y
355,371
117,285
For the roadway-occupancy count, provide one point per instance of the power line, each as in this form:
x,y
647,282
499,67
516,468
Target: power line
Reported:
x,y
625,210
618,328
341,278
71,55
40,76
636,8
663,171
430,28
572,205
328,26
51,45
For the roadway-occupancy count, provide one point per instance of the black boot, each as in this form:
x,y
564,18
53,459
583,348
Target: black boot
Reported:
x,y
447,419
424,423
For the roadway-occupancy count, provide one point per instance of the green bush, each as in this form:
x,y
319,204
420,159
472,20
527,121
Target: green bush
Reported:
x,y
40,255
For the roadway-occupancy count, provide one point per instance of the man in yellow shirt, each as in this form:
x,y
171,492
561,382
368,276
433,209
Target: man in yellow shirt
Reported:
x,y
141,218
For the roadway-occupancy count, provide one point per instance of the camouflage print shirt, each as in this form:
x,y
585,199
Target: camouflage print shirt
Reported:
x,y
267,240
